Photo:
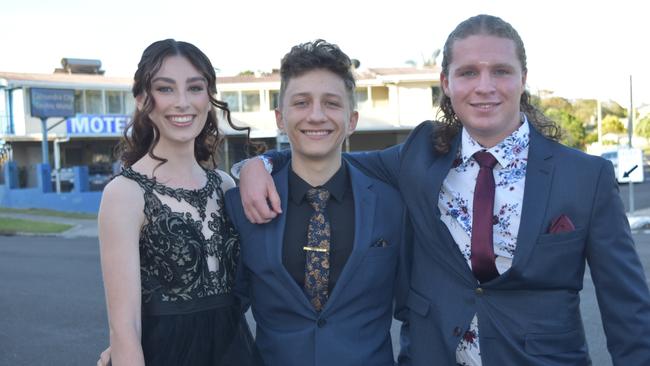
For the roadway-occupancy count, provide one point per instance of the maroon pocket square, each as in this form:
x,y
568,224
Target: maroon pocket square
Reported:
x,y
562,224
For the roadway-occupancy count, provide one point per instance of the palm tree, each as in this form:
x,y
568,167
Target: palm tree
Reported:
x,y
427,61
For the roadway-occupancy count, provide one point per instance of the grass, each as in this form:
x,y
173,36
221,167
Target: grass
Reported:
x,y
44,212
9,226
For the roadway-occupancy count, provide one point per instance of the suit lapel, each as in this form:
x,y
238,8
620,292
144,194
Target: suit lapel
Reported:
x,y
274,234
539,176
437,173
365,201
435,176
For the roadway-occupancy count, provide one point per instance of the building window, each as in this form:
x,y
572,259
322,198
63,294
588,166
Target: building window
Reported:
x,y
232,98
94,102
129,103
79,105
436,92
250,101
361,96
114,102
100,102
379,96
4,122
274,99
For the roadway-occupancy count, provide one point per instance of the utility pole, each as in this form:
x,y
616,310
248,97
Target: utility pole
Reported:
x,y
629,144
44,147
599,122
630,118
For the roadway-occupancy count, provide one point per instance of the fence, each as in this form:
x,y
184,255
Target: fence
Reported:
x,y
43,195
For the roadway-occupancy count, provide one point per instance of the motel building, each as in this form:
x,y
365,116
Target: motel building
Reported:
x,y
391,102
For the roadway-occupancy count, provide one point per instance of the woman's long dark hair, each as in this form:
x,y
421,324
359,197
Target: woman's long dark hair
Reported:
x,y
141,135
450,125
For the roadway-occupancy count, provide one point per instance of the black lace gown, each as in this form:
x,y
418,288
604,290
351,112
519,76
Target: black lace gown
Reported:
x,y
188,257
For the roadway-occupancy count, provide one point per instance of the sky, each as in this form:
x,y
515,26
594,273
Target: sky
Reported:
x,y
575,48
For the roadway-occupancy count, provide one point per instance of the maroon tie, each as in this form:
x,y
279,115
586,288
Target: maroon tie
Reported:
x,y
482,248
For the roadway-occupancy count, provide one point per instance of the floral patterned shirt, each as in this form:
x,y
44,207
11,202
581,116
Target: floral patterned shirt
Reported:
x,y
455,204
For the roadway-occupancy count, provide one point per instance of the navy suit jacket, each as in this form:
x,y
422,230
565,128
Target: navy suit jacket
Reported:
x,y
529,315
353,328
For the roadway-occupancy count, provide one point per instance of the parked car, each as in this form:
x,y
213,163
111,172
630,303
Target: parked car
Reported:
x,y
98,175
66,179
65,175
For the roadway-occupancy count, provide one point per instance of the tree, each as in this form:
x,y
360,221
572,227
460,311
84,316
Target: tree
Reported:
x,y
431,61
612,108
427,61
573,131
612,124
591,137
557,103
585,109
643,127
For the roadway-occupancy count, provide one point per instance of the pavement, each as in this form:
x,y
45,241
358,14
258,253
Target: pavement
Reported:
x,y
639,221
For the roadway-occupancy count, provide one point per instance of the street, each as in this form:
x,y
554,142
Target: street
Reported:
x,y
52,310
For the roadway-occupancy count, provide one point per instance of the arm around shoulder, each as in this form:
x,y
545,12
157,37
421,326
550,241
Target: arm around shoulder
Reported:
x,y
386,164
383,164
120,219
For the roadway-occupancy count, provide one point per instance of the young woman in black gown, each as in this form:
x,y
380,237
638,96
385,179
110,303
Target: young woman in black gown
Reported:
x,y
168,250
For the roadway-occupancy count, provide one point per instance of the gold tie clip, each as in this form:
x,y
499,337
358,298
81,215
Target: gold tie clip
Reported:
x,y
314,249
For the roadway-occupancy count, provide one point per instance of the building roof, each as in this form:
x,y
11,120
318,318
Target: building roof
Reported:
x,y
393,73
400,74
16,79
248,79
65,80
382,71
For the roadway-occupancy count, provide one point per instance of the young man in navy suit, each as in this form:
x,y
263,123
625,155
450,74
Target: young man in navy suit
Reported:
x,y
505,219
321,277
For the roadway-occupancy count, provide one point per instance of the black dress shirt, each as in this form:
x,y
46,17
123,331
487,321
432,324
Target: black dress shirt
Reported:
x,y
340,211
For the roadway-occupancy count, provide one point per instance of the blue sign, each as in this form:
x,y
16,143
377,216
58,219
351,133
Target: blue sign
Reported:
x,y
97,124
51,102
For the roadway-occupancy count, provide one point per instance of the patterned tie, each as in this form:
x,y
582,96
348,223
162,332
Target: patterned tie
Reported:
x,y
317,266
482,219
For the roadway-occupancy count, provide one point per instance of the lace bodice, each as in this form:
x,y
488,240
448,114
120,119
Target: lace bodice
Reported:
x,y
188,246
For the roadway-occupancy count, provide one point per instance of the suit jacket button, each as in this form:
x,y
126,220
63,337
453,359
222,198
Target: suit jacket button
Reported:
x,y
321,323
457,332
479,291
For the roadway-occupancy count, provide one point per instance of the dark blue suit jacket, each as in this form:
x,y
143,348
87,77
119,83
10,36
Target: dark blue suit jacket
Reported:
x,y
530,314
353,328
